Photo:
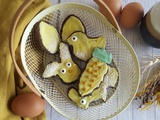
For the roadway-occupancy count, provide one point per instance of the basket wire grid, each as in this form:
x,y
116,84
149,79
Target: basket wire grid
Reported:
x,y
125,59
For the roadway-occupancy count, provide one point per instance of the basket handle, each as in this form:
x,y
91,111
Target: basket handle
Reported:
x,y
14,22
108,14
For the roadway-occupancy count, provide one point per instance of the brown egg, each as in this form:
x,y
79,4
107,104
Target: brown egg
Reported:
x,y
114,5
131,15
28,105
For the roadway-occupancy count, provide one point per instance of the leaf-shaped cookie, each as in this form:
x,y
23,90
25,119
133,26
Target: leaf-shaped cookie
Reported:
x,y
47,36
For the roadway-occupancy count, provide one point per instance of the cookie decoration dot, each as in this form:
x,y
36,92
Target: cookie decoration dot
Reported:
x,y
92,80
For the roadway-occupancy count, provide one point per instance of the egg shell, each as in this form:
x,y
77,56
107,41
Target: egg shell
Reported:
x,y
28,105
114,5
131,15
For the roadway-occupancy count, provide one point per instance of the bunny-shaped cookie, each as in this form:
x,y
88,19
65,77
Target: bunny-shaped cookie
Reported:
x,y
67,70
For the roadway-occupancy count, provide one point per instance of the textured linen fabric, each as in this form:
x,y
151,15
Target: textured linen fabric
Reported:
x,y
10,83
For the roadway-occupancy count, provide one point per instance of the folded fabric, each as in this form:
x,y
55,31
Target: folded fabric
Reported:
x,y
10,83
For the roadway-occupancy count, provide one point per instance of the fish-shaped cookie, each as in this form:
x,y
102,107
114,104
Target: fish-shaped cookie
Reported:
x,y
83,45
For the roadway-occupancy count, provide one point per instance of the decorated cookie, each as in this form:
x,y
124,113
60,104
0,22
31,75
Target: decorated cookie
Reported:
x,y
83,102
94,72
47,36
83,46
92,76
67,70
71,24
95,79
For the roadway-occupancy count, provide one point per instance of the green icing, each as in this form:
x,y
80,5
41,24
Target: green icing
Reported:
x,y
102,55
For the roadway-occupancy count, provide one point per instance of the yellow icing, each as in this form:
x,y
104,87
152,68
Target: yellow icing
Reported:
x,y
71,25
93,79
72,72
49,37
83,46
96,94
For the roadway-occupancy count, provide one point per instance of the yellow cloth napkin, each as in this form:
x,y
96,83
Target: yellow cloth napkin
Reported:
x,y
10,84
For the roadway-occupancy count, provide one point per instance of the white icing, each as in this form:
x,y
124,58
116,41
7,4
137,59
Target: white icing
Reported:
x,y
64,52
83,55
51,70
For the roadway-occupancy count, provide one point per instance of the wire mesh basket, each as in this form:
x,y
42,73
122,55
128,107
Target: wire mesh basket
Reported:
x,y
34,61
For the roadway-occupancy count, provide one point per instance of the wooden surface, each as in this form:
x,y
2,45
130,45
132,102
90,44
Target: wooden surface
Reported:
x,y
144,53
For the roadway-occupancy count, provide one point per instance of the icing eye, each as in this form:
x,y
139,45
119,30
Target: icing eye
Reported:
x,y
69,64
74,38
63,70
83,102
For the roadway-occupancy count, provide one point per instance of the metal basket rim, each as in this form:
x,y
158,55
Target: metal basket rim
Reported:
x,y
100,16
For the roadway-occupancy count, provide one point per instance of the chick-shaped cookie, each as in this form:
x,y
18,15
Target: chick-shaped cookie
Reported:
x,y
67,70
83,45
83,102
70,25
